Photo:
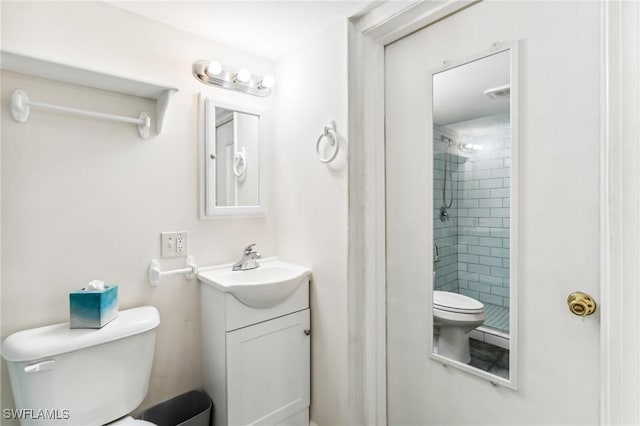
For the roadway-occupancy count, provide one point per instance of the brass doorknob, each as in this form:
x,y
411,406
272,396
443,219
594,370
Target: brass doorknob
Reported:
x,y
581,304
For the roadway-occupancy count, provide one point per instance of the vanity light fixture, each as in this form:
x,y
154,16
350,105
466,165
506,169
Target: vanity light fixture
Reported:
x,y
267,82
215,74
462,146
213,68
469,147
242,76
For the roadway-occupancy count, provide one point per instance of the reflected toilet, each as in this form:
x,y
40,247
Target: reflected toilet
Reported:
x,y
454,316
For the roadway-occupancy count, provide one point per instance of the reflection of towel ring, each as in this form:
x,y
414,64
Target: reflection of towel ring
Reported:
x,y
332,138
240,163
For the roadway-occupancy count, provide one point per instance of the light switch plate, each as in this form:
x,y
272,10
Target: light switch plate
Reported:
x,y
174,244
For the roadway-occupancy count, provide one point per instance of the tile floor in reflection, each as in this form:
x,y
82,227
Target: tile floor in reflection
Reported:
x,y
490,358
496,317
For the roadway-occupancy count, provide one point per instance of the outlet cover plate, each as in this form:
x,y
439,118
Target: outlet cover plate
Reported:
x,y
174,244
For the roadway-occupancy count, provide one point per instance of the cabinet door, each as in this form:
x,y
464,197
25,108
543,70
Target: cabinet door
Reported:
x,y
268,370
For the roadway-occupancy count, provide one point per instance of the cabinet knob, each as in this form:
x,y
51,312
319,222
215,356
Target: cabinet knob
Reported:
x,y
307,332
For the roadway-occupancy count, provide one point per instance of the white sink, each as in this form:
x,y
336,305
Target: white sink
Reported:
x,y
261,287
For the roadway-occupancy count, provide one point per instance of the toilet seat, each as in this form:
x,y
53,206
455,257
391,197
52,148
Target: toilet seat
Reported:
x,y
456,303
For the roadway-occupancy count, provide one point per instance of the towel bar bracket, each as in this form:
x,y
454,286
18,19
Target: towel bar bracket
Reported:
x,y
155,274
19,111
144,128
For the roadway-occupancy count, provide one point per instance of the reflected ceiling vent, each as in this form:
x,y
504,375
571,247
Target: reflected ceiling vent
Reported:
x,y
500,92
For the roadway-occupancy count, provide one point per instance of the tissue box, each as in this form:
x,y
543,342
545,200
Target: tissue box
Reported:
x,y
93,308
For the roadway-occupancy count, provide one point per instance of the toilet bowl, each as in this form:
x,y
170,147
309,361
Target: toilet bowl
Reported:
x,y
454,316
83,376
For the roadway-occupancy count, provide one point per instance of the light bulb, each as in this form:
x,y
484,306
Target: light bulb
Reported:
x,y
267,82
213,68
243,75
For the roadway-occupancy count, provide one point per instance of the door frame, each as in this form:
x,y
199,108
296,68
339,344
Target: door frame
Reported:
x,y
368,34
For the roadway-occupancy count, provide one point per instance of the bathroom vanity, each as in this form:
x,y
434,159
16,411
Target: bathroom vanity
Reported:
x,y
256,352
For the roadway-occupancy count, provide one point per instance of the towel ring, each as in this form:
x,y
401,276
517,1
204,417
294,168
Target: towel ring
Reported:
x,y
332,137
240,160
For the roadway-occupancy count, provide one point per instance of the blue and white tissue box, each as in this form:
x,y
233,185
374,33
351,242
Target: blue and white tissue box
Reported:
x,y
93,308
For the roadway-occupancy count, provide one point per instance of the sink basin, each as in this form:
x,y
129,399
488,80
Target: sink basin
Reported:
x,y
262,287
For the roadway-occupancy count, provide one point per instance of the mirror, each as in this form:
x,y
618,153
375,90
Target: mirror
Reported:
x,y
474,215
232,160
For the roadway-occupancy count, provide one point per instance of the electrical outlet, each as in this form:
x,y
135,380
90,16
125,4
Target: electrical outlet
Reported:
x,y
181,243
174,244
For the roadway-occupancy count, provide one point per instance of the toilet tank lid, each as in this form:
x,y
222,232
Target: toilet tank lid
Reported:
x,y
50,340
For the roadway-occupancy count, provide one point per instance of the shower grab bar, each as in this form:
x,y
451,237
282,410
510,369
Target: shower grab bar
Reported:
x,y
20,108
155,274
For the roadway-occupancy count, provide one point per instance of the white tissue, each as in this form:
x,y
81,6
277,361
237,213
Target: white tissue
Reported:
x,y
95,285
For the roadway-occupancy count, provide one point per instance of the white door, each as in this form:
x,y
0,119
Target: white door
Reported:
x,y
247,141
559,136
225,181
268,370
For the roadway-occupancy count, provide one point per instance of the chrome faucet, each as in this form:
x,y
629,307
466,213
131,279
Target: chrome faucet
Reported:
x,y
249,260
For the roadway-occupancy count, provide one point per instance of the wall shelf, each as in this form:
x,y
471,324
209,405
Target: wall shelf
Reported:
x,y
37,67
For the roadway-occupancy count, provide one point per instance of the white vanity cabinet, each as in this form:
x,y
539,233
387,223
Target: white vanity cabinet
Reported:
x,y
268,370
256,362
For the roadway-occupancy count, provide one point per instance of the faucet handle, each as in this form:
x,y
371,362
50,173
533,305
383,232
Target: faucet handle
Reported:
x,y
249,248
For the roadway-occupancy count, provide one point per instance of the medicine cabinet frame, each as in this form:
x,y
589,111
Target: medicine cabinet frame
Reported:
x,y
206,165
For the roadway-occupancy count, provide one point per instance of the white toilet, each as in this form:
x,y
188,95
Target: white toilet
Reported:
x,y
454,316
64,376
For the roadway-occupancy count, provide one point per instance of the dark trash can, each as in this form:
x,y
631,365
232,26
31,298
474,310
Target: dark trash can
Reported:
x,y
189,409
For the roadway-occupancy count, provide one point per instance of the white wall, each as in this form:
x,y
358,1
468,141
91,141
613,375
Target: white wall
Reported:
x,y
311,204
85,199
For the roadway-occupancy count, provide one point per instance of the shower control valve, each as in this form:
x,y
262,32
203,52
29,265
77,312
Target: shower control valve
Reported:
x,y
444,214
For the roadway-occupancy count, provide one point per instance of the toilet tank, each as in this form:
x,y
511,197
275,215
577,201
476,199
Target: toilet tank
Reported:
x,y
63,376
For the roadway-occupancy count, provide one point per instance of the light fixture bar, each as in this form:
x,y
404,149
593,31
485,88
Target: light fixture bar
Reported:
x,y
241,80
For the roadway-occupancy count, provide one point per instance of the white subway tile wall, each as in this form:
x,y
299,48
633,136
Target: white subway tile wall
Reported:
x,y
445,233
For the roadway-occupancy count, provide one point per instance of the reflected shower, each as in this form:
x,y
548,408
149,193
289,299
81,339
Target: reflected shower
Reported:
x,y
444,210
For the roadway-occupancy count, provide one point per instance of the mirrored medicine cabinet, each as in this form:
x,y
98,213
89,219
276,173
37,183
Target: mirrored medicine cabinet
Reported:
x,y
232,159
